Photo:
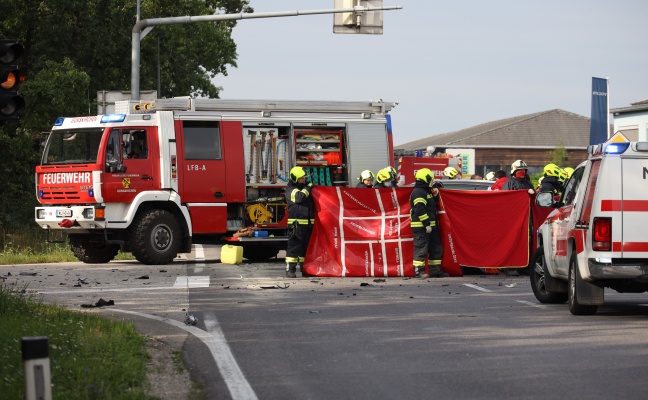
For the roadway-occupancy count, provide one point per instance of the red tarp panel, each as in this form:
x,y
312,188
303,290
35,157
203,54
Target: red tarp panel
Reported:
x,y
484,229
360,232
366,232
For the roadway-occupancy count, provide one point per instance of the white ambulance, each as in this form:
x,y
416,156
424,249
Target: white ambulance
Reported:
x,y
597,237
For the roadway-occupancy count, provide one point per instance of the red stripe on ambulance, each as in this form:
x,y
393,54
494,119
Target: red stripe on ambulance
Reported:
x,y
624,205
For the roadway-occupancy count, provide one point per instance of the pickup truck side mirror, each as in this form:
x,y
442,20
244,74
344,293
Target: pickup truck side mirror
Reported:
x,y
545,199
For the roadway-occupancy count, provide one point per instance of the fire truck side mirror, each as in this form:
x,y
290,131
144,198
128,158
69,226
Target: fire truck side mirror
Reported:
x,y
115,166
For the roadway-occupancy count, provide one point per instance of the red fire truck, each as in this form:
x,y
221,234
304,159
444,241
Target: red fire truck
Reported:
x,y
158,176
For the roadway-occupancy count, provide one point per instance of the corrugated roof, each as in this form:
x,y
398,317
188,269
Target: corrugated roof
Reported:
x,y
542,129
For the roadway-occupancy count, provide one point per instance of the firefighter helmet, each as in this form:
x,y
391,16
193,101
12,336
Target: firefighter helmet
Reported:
x,y
517,165
425,175
569,171
491,176
383,175
365,175
296,173
451,172
562,177
552,170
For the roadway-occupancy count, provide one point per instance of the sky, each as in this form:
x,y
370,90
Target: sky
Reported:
x,y
449,64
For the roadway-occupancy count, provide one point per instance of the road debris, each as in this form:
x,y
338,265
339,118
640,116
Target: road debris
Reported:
x,y
100,303
190,319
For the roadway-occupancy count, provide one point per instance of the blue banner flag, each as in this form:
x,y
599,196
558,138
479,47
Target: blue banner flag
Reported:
x,y
599,120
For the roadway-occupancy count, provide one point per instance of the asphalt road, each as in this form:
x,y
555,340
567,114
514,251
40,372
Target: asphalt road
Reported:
x,y
259,335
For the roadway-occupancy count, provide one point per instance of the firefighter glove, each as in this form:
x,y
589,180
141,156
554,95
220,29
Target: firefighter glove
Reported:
x,y
428,229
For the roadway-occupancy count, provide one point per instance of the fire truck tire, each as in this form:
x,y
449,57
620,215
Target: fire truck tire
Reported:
x,y
92,251
257,253
538,273
156,237
575,307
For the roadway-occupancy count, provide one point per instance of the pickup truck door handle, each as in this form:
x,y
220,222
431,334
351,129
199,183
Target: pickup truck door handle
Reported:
x,y
218,195
147,178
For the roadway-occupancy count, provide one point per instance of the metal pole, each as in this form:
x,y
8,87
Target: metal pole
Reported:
x,y
140,25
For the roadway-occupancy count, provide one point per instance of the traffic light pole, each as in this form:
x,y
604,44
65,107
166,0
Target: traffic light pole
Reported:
x,y
142,27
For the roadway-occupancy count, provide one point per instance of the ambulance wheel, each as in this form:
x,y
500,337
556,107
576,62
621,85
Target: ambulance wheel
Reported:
x,y
537,274
258,253
92,250
574,306
156,237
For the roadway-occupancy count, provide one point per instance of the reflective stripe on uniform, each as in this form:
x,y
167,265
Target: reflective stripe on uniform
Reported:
x,y
300,221
420,200
435,262
292,259
302,259
418,263
416,224
423,217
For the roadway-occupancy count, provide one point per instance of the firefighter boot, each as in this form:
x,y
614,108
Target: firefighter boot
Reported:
x,y
419,272
436,272
291,269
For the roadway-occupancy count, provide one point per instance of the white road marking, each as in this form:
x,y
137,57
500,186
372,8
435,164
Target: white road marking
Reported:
x,y
536,305
470,285
238,386
98,290
200,252
214,339
191,282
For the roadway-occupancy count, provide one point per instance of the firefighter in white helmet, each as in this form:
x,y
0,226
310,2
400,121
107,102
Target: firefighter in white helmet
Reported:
x,y
519,178
300,220
427,239
365,179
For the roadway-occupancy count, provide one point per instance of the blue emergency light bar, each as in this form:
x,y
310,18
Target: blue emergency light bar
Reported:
x,y
59,121
113,118
617,148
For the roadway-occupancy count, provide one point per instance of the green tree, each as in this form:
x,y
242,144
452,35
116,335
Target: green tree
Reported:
x,y
558,155
75,48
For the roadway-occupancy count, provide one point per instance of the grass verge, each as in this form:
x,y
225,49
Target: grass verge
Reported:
x,y
90,357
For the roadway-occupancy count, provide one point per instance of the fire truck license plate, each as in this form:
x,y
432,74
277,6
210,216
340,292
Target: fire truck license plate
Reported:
x,y
63,213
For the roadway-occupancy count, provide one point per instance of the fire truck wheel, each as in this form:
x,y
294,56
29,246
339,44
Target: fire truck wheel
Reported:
x,y
575,307
156,237
91,251
257,253
538,284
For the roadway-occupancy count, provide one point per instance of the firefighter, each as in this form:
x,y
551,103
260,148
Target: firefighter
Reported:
x,y
385,178
365,179
519,178
551,180
427,239
569,171
451,173
300,220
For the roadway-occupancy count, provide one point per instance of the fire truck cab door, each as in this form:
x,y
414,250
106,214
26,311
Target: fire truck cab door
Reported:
x,y
129,166
203,174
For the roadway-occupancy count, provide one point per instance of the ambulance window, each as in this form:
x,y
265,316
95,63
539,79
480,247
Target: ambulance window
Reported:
x,y
591,188
572,186
202,140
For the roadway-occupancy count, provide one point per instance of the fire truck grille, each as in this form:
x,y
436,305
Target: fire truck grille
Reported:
x,y
61,194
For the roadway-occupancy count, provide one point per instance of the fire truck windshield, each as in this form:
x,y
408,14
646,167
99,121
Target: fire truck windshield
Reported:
x,y
73,146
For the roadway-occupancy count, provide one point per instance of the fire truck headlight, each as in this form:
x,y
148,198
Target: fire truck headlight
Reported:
x,y
88,213
40,214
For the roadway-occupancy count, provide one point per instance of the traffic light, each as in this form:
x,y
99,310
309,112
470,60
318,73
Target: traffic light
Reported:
x,y
10,79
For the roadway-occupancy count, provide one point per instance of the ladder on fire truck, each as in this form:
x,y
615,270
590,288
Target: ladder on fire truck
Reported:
x,y
265,107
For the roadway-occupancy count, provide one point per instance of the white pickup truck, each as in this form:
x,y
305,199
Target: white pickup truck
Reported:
x,y
597,236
